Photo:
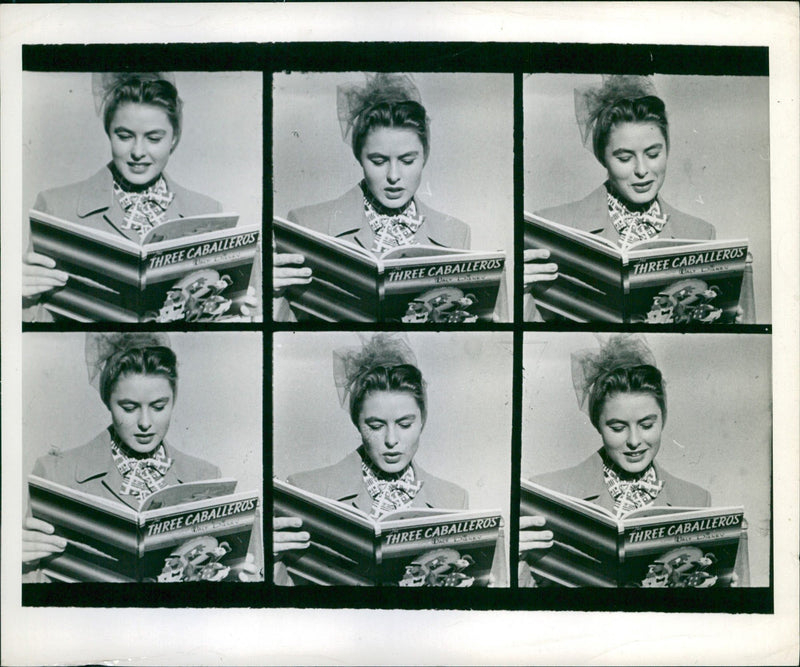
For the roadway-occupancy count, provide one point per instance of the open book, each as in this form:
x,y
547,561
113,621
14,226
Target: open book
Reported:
x,y
407,547
412,284
653,547
199,531
195,269
660,280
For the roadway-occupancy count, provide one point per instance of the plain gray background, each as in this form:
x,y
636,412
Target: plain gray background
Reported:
x,y
219,154
718,167
718,430
467,435
469,173
217,414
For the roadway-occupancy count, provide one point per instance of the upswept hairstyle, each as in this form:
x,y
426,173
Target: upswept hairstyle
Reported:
x,y
157,360
144,89
403,114
625,380
401,378
647,109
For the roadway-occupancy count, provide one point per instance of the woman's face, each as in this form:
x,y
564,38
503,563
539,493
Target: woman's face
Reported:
x,y
392,159
390,424
636,160
141,407
630,425
142,139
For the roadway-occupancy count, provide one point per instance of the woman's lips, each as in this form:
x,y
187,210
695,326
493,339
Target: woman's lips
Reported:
x,y
394,193
392,457
642,187
138,167
144,437
636,456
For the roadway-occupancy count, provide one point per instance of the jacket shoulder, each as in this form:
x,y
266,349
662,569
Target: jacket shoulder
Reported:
x,y
318,480
576,481
443,494
688,226
446,229
194,203
61,201
683,493
326,217
61,465
586,213
193,468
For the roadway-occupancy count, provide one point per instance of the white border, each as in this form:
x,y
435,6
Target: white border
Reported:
x,y
158,636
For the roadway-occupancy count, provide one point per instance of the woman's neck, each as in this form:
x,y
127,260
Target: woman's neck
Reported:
x,y
631,206
126,185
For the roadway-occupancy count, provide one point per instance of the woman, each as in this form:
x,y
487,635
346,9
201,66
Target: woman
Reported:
x,y
137,378
382,388
624,394
388,130
627,123
142,118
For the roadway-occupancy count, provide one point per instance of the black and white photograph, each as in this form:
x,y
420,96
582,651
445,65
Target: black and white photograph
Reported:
x,y
407,433
663,183
393,197
142,457
657,446
142,195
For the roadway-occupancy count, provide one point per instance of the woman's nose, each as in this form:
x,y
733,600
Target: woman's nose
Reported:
x,y
393,174
641,167
634,438
144,420
137,150
391,436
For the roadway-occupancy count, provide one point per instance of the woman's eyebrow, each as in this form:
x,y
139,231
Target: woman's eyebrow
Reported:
x,y
648,417
411,416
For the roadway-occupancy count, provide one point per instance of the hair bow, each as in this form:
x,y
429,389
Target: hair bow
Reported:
x,y
619,351
382,349
383,87
102,346
104,83
590,100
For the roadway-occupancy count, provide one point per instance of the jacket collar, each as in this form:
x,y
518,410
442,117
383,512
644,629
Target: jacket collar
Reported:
x,y
360,231
597,492
603,226
97,197
98,464
349,488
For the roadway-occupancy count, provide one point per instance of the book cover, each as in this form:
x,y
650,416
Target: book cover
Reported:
x,y
408,547
656,281
653,547
198,531
194,269
412,284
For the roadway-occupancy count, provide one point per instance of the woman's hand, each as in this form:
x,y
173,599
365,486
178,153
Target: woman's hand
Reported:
x,y
39,274
286,537
248,571
39,540
536,270
284,275
530,538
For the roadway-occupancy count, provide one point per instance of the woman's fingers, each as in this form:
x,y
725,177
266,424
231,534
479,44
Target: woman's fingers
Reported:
x,y
248,571
40,275
39,540
283,522
285,539
536,270
533,539
283,275
40,260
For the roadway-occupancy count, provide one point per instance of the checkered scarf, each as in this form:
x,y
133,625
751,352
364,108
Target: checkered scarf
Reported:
x,y
633,226
391,228
389,492
144,210
632,494
141,477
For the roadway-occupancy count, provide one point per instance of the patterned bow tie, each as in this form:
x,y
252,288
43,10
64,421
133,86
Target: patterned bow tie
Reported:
x,y
141,477
389,492
633,226
392,230
632,494
144,210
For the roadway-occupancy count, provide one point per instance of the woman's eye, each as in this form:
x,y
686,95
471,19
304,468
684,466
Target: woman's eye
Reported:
x,y
375,426
624,158
409,161
654,155
405,424
648,425
377,161
128,408
617,428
